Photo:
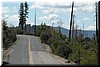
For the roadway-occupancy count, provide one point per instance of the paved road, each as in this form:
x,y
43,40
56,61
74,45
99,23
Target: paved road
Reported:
x,y
29,50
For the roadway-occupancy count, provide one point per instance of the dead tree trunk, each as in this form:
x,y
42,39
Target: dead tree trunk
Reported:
x,y
71,21
35,22
97,21
73,27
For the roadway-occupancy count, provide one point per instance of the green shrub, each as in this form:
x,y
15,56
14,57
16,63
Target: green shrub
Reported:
x,y
9,36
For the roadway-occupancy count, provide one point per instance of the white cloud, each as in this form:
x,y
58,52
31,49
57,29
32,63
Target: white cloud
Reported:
x,y
50,17
56,10
12,20
66,25
5,9
49,10
14,17
50,6
92,27
85,9
63,6
44,18
45,11
86,19
14,10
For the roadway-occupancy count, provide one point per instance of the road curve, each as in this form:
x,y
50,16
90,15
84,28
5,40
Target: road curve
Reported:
x,y
29,50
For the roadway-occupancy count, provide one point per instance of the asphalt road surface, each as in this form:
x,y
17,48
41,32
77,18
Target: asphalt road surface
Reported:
x,y
29,50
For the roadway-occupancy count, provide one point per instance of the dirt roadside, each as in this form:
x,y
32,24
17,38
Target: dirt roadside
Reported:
x,y
6,53
62,60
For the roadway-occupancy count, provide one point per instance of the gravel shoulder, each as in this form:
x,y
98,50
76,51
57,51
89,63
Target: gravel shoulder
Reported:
x,y
6,52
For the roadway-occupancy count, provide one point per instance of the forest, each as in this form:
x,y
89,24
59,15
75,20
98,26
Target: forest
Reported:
x,y
83,51
79,49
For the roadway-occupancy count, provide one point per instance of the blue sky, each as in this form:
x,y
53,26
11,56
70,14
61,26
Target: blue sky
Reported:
x,y
56,11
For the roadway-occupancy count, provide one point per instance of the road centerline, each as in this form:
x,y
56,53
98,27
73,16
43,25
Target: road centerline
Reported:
x,y
30,54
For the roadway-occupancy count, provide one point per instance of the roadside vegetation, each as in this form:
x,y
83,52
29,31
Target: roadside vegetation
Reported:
x,y
81,50
9,35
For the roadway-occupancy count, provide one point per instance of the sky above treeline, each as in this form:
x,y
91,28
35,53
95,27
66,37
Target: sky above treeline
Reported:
x,y
52,11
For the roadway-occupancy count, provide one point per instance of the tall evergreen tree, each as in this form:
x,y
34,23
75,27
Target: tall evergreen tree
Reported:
x,y
23,14
26,13
21,17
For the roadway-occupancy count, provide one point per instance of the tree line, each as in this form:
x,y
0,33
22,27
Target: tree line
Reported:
x,y
9,35
23,15
79,50
82,50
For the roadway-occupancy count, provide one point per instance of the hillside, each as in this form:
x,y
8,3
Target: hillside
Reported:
x,y
79,50
87,33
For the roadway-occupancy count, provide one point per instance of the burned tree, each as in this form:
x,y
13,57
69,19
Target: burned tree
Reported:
x,y
59,25
71,21
35,22
97,21
73,30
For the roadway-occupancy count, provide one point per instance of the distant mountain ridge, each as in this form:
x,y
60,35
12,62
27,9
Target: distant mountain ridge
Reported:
x,y
87,33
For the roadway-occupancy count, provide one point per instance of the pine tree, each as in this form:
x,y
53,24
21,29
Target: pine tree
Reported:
x,y
26,13
23,14
21,17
